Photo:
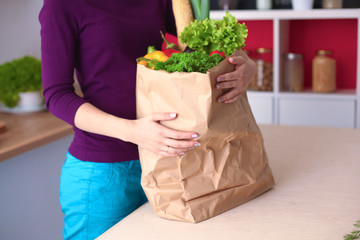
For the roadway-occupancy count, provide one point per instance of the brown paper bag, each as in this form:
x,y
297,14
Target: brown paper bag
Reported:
x,y
228,169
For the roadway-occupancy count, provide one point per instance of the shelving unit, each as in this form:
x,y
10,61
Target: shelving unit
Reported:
x,y
340,109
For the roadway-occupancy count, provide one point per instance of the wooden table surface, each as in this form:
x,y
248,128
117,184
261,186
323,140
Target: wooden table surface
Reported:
x,y
27,131
316,196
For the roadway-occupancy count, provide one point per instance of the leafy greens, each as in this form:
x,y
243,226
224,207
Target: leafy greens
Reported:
x,y
189,62
208,35
19,75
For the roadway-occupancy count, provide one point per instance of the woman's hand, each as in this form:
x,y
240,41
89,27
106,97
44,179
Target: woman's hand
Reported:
x,y
238,80
150,134
147,132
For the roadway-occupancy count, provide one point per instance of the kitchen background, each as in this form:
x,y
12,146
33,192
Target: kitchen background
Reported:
x,y
29,207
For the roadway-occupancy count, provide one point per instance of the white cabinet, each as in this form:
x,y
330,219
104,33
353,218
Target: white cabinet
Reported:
x,y
339,109
317,112
262,107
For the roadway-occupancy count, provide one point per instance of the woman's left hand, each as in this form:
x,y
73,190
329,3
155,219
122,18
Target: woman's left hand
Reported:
x,y
238,80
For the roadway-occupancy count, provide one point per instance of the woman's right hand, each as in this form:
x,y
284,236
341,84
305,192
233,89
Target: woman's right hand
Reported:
x,y
148,133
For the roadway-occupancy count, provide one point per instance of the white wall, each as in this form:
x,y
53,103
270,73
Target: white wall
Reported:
x,y
29,193
19,29
29,183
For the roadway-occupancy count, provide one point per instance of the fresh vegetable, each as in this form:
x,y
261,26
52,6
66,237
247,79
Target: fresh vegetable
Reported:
x,y
170,52
151,58
168,44
354,234
170,47
151,49
217,52
157,55
19,75
208,35
189,62
201,9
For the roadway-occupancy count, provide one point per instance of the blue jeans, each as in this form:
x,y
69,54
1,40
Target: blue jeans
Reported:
x,y
95,196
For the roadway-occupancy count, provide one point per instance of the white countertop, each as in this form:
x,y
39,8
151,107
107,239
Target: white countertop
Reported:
x,y
316,196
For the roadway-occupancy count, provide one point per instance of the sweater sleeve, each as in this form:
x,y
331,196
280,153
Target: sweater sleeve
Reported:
x,y
170,19
59,37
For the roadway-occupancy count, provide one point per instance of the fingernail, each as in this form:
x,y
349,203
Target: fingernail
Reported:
x,y
218,86
191,148
218,79
182,153
231,59
172,115
220,100
194,135
197,144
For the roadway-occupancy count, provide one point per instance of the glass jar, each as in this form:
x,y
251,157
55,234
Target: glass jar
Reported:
x,y
282,4
324,72
263,80
263,4
227,4
302,4
332,3
293,73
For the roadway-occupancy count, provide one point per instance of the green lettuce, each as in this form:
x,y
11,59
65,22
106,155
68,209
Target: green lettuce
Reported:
x,y
208,35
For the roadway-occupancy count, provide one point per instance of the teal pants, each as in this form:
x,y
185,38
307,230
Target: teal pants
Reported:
x,y
95,196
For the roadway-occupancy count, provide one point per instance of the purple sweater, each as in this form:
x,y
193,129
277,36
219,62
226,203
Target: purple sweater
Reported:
x,y
101,41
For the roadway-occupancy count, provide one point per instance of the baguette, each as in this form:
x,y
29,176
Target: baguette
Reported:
x,y
183,17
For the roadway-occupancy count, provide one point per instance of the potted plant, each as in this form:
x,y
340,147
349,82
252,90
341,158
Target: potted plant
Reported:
x,y
21,86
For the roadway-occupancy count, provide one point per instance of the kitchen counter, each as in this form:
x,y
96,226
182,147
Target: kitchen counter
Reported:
x,y
27,131
316,196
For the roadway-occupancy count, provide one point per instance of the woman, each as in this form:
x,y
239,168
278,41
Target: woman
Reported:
x,y
100,179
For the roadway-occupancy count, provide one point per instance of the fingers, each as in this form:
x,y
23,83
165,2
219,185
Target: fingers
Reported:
x,y
170,151
236,80
223,80
167,141
174,147
237,60
162,116
232,96
178,142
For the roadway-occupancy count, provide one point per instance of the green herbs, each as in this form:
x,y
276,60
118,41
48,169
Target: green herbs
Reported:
x,y
207,35
201,9
189,62
19,75
354,234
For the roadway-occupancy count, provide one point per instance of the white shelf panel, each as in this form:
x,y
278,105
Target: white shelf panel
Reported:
x,y
283,104
262,107
288,14
320,112
347,94
259,93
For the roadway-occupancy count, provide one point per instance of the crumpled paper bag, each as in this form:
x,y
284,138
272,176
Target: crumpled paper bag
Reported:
x,y
228,169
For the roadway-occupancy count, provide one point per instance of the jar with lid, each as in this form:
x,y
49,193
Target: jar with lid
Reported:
x,y
227,4
293,73
264,4
324,72
263,80
332,3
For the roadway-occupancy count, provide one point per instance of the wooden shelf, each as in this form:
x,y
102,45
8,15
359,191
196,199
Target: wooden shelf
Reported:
x,y
25,132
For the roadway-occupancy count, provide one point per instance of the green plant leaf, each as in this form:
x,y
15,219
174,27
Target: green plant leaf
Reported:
x,y
19,75
201,9
207,35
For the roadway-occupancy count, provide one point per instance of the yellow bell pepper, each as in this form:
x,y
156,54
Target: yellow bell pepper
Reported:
x,y
155,55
